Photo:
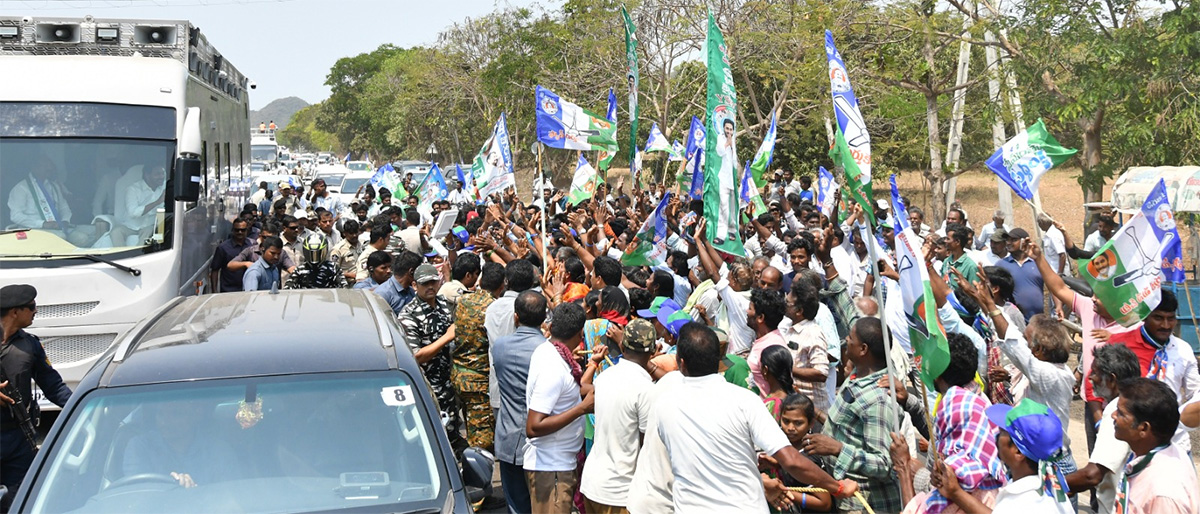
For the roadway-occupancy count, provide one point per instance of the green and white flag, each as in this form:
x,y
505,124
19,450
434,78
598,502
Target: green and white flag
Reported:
x,y
492,168
632,77
676,152
762,159
583,186
721,191
1126,274
931,351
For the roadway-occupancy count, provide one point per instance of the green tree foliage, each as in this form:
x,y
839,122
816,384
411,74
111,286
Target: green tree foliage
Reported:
x,y
1113,75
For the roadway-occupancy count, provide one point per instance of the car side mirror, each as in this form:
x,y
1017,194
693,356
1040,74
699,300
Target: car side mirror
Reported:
x,y
477,465
187,176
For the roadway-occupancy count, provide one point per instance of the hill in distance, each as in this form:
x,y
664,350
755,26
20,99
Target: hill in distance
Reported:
x,y
280,110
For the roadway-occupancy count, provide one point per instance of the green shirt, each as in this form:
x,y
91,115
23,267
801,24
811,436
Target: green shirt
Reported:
x,y
964,265
738,373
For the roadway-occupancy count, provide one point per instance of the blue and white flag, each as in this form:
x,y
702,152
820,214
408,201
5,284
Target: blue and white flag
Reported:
x,y
433,188
826,191
845,108
347,159
676,152
697,188
750,192
612,106
1023,160
693,151
492,168
651,247
562,124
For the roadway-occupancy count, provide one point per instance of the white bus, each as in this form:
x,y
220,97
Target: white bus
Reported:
x,y
264,149
119,141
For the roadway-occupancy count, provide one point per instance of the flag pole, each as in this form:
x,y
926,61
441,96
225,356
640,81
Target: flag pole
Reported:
x,y
887,338
883,321
545,205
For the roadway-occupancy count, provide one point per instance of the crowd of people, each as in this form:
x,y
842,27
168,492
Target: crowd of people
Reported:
x,y
772,382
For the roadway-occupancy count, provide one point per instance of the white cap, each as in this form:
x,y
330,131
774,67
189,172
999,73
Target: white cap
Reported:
x,y
300,214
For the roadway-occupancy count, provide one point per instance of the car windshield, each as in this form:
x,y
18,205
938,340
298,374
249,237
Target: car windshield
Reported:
x,y
83,196
263,153
292,443
351,185
332,180
358,166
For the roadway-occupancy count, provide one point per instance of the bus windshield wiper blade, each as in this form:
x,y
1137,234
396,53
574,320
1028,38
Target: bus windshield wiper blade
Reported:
x,y
87,256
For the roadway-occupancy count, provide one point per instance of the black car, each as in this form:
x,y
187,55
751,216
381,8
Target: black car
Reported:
x,y
299,401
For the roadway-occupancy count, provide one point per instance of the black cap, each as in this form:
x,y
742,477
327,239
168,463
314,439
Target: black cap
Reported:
x,y
1018,233
16,295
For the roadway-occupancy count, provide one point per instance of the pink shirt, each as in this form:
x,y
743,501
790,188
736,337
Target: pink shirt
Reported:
x,y
772,338
1085,308
1166,486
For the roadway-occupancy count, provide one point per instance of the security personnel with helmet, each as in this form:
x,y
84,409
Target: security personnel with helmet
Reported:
x,y
22,362
318,271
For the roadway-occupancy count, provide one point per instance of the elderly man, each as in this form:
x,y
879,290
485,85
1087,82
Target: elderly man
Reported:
x,y
38,202
138,214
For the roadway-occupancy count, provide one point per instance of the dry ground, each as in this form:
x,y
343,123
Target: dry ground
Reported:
x,y
1061,196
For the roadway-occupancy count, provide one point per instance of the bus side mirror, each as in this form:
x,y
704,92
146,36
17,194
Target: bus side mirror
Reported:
x,y
187,179
188,171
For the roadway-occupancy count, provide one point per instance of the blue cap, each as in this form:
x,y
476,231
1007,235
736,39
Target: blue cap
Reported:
x,y
1036,431
659,303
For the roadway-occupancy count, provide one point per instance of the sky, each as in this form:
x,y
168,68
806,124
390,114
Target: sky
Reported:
x,y
285,46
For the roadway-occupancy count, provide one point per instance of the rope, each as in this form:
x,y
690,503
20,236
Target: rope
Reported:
x,y
857,495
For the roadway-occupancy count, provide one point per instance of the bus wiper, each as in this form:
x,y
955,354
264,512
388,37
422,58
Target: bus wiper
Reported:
x,y
14,230
87,256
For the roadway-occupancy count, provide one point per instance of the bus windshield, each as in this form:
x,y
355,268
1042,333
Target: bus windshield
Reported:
x,y
65,196
263,153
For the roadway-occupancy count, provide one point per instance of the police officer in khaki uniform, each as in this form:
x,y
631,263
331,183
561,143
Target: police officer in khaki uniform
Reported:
x,y
23,361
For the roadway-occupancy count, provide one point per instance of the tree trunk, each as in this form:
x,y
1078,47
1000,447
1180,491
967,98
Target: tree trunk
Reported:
x,y
937,178
1091,155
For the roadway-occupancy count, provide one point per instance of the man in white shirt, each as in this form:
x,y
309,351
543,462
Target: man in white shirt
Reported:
x,y
710,429
555,421
137,216
37,202
985,233
323,198
621,418
1054,246
1106,226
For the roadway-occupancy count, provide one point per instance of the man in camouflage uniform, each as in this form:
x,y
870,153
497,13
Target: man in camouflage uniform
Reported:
x,y
317,272
471,362
428,325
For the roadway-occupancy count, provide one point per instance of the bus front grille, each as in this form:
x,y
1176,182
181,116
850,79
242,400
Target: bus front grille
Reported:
x,y
65,310
66,349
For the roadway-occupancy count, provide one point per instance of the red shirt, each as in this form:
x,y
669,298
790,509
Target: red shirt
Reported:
x,y
1133,340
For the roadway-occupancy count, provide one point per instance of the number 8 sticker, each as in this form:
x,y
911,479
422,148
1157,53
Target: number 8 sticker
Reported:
x,y
397,396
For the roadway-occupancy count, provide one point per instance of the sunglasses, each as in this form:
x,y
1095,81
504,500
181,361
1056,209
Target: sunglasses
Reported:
x,y
241,230
293,227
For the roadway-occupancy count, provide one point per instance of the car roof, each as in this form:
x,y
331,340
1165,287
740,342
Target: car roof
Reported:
x,y
260,333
